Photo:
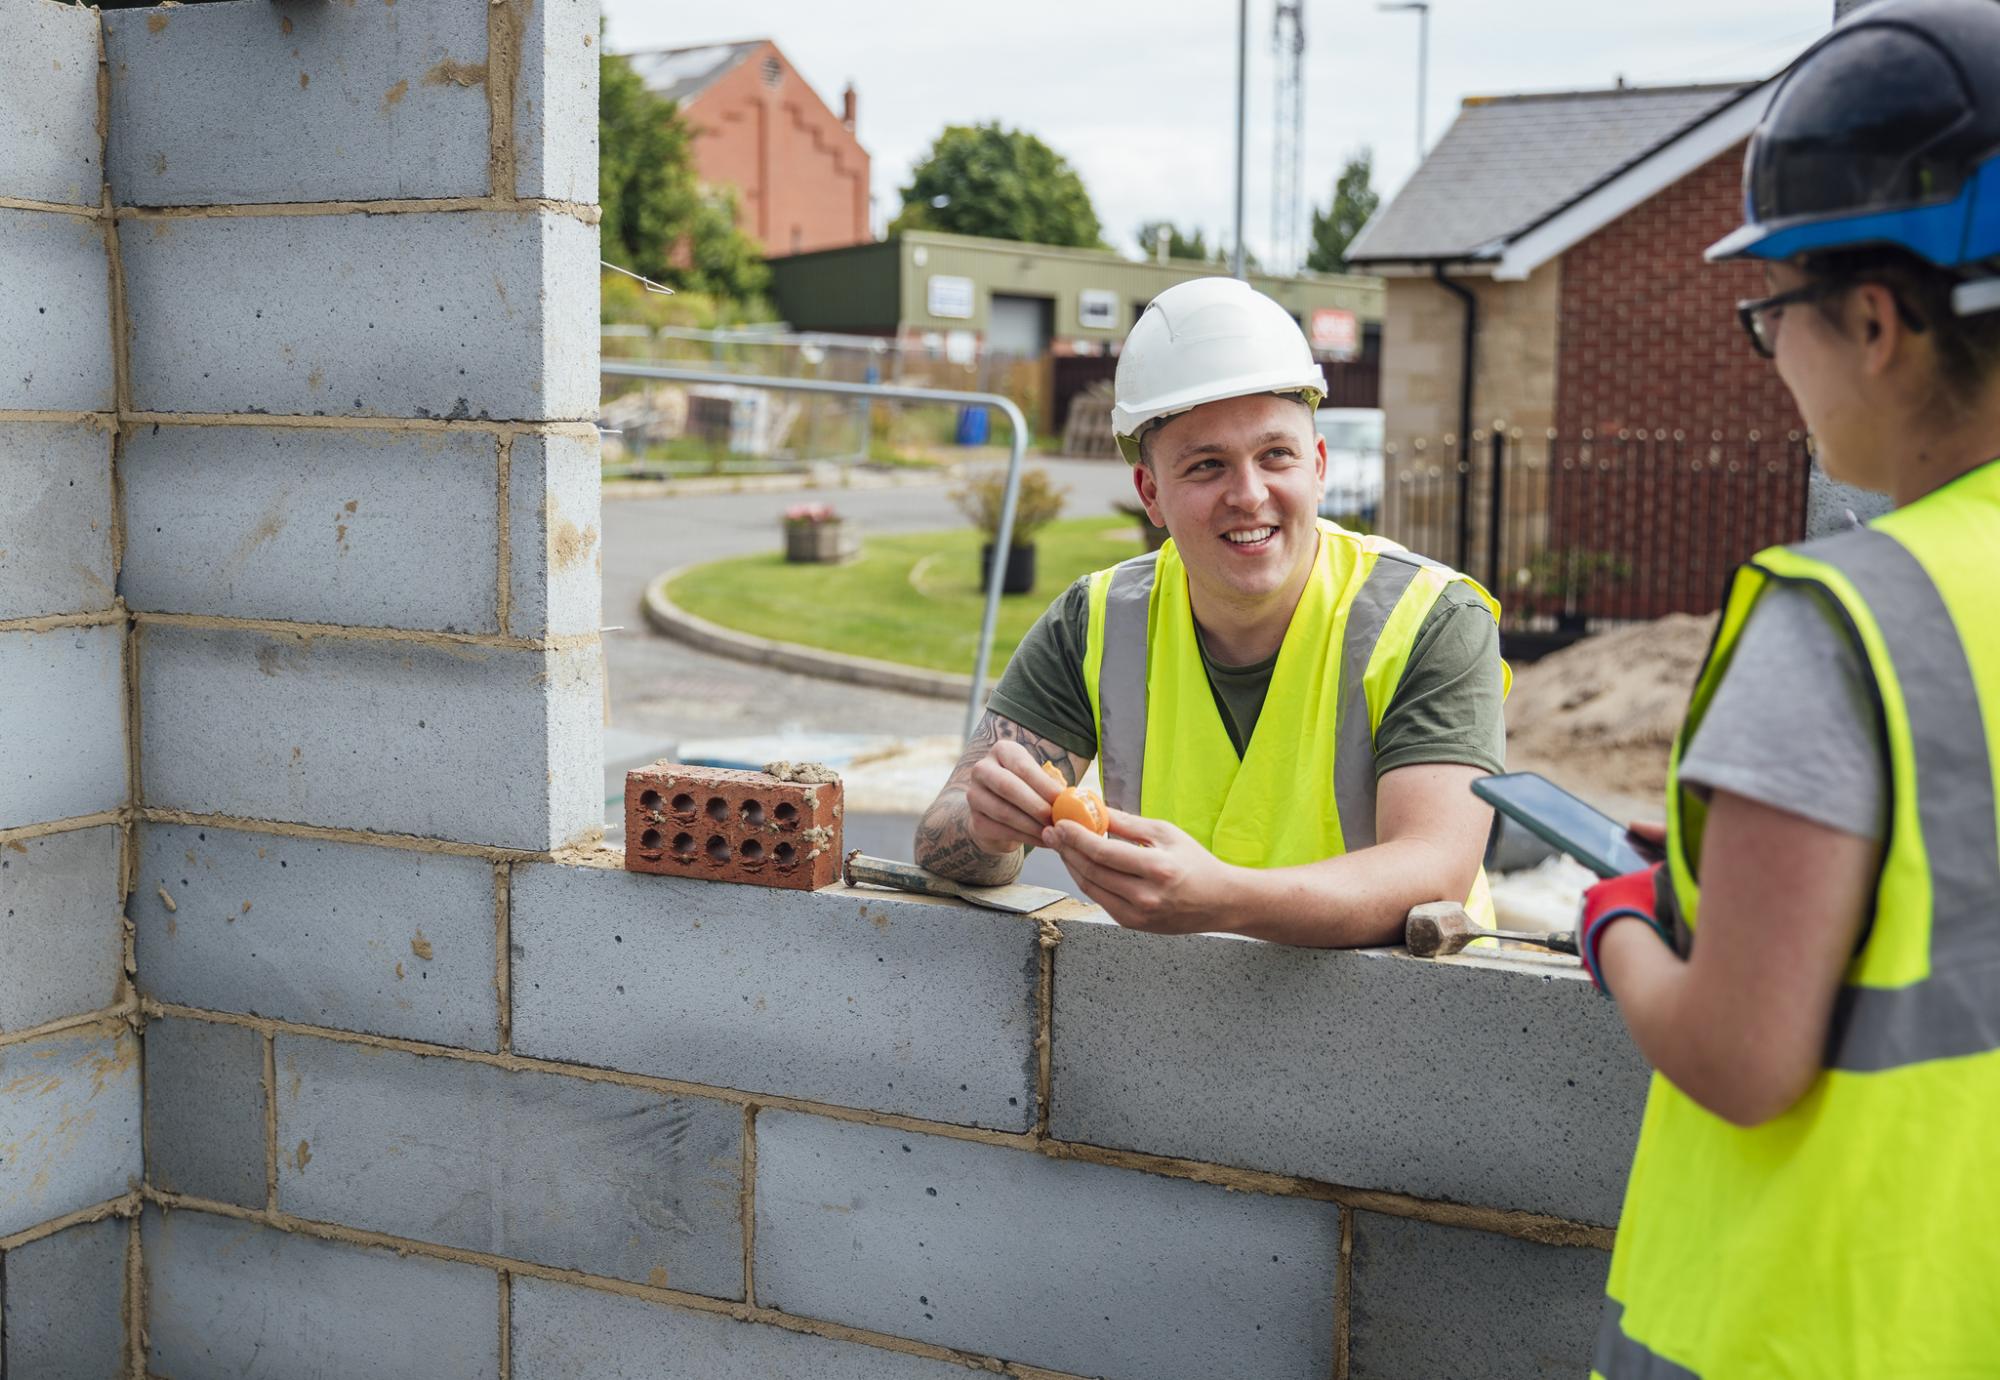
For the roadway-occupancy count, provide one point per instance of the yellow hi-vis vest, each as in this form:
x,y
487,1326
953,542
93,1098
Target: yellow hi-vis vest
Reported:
x,y
1304,788
1857,1234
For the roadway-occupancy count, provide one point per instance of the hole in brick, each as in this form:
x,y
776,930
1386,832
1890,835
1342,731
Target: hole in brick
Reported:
x,y
785,854
649,800
684,845
650,839
753,851
718,808
787,814
753,813
683,804
718,849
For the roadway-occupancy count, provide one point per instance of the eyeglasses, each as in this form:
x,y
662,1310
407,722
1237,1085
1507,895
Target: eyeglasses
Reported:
x,y
1760,316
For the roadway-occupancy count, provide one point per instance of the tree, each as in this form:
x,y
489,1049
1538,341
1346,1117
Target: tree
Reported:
x,y
1354,200
1179,246
657,218
1002,183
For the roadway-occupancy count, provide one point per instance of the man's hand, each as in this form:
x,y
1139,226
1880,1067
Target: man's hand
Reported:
x,y
995,805
1147,875
1008,795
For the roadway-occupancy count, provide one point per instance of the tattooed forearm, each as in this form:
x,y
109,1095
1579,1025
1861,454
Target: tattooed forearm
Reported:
x,y
945,843
945,846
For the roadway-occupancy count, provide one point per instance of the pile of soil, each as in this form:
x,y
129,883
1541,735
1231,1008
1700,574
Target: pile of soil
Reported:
x,y
1599,717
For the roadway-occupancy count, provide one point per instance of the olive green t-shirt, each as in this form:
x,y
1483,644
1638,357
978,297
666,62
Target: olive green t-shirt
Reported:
x,y
1447,707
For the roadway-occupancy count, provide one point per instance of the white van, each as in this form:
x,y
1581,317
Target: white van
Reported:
x,y
1353,462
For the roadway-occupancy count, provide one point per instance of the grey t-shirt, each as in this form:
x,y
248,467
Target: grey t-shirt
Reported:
x,y
1793,724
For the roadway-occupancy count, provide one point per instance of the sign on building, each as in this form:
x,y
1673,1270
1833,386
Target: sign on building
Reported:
x,y
1334,332
1097,309
949,296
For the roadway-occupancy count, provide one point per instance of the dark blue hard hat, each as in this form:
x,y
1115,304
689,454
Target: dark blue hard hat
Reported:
x,y
1884,133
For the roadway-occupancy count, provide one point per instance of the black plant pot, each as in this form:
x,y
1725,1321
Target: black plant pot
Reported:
x,y
1020,576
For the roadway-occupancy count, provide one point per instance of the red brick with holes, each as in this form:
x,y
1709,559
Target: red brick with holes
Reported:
x,y
732,826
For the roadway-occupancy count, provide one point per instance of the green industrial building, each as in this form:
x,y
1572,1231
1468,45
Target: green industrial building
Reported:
x,y
1033,300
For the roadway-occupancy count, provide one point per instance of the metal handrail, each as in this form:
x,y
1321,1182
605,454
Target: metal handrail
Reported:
x,y
1003,539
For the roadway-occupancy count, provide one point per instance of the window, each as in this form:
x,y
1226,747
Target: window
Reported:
x,y
1097,310
774,72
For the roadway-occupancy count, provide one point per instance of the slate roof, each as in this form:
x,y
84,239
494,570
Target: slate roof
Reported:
x,y
681,74
1510,162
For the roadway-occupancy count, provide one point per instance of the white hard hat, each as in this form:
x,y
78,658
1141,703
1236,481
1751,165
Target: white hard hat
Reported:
x,y
1200,342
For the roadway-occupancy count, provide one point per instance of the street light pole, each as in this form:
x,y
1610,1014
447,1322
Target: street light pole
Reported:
x,y
1423,13
1242,83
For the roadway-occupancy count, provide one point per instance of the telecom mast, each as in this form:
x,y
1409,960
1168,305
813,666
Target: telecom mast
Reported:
x,y
1288,49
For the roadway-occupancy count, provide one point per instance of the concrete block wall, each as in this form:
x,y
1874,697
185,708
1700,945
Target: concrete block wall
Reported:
x,y
70,1140
286,296
727,1131
433,1088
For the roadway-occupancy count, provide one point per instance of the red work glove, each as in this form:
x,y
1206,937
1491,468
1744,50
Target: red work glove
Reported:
x,y
1629,897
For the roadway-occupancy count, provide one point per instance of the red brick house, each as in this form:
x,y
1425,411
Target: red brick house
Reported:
x,y
1556,242
800,175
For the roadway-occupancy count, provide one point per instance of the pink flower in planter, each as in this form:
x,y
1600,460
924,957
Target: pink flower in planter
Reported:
x,y
810,514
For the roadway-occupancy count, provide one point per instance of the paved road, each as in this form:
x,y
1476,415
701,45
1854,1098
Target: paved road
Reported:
x,y
670,692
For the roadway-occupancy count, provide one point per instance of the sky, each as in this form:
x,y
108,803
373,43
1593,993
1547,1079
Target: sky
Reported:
x,y
1141,97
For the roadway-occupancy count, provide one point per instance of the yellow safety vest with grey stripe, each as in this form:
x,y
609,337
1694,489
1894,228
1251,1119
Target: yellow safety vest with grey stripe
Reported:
x,y
1304,788
1858,1234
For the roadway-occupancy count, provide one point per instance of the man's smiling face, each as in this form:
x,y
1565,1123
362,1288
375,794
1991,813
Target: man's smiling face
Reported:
x,y
1237,485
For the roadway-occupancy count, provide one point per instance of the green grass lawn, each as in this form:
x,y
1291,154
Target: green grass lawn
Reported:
x,y
914,598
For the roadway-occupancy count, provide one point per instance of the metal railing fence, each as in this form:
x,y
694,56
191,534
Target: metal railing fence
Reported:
x,y
884,392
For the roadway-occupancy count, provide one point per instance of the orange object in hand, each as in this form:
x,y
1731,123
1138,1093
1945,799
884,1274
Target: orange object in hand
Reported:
x,y
1076,804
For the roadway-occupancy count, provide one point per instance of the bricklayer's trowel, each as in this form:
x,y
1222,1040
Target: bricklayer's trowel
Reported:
x,y
863,870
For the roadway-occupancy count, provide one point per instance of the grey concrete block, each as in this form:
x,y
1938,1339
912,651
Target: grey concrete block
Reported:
x,y
65,1305
555,102
458,314
473,743
205,1110
362,528
324,102
859,999
1431,1300
225,1297
563,1332
1363,1068
48,104
1079,1267
62,943
382,940
556,574
1834,507
69,1123
62,723
559,1171
55,317
55,528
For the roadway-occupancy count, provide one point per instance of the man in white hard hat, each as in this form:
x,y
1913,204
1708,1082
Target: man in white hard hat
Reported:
x,y
1286,715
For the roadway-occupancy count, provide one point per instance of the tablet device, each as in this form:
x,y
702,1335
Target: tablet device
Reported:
x,y
1564,822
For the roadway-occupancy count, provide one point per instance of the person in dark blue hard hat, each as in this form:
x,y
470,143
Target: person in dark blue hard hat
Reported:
x,y
1814,971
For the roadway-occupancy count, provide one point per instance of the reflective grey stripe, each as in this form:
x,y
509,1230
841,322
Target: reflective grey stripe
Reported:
x,y
1619,1357
1956,1010
1121,682
1354,743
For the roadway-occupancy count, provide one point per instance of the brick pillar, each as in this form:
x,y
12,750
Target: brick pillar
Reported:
x,y
358,254
298,612
69,1065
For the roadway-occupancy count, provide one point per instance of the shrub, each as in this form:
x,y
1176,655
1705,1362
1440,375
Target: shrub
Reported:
x,y
1040,502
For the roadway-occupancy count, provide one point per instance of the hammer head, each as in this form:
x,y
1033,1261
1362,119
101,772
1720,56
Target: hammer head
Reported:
x,y
1438,929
